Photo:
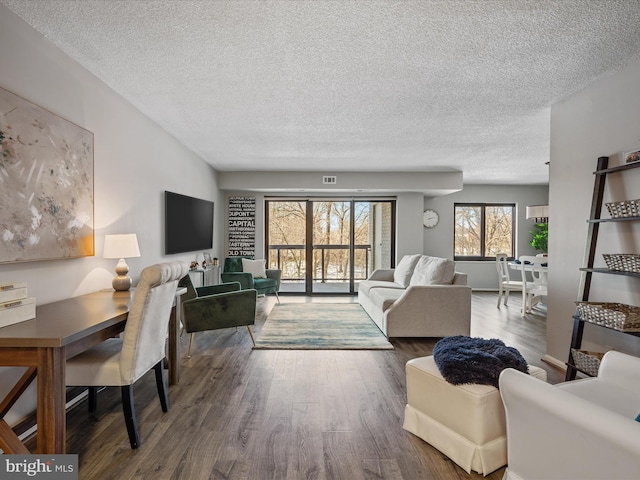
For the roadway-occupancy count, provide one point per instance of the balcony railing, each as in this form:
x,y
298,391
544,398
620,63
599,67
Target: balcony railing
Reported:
x,y
290,259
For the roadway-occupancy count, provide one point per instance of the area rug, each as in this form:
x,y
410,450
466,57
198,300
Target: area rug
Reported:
x,y
320,326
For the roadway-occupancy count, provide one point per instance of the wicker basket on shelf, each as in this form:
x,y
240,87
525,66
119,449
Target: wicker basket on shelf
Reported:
x,y
588,362
623,262
627,208
618,316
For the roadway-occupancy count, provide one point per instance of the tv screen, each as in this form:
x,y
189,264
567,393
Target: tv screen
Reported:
x,y
188,223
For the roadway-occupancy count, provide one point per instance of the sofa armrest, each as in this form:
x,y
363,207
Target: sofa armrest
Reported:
x,y
459,278
382,274
553,434
621,369
244,278
430,311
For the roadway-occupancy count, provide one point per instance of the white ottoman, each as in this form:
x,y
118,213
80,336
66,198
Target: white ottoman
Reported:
x,y
465,422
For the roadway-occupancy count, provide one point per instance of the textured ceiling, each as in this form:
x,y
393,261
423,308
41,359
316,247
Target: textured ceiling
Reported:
x,y
337,86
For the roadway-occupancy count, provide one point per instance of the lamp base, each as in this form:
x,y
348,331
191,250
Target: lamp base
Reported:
x,y
121,283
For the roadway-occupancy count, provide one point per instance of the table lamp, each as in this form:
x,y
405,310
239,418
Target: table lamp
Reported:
x,y
121,246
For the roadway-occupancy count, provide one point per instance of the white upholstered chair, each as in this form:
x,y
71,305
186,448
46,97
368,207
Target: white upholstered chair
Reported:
x,y
532,290
505,284
121,362
582,429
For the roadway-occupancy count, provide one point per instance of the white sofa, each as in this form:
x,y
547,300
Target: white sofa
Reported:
x,y
583,429
422,297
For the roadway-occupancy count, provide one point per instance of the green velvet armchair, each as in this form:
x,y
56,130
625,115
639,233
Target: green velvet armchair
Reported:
x,y
233,272
214,307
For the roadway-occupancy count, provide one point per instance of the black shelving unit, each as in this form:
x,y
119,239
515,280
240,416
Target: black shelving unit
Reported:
x,y
595,220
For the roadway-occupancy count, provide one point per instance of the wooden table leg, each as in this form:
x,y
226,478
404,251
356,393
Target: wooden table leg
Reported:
x,y
51,416
9,441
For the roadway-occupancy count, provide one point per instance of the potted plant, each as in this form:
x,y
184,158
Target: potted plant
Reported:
x,y
540,237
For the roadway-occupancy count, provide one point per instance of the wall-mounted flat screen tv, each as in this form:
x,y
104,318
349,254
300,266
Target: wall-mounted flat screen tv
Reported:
x,y
188,223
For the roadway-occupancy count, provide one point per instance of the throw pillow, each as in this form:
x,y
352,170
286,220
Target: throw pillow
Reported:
x,y
254,267
404,269
433,271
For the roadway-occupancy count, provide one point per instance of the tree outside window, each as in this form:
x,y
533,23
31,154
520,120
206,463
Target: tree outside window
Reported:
x,y
483,230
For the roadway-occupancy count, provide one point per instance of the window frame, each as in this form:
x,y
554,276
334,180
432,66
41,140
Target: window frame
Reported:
x,y
483,206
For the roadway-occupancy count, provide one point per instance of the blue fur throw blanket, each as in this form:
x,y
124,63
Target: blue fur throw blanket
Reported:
x,y
463,359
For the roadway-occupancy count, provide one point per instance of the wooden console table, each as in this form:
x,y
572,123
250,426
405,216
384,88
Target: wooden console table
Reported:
x,y
61,330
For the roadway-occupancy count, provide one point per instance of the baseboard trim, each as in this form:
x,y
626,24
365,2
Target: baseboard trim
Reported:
x,y
554,362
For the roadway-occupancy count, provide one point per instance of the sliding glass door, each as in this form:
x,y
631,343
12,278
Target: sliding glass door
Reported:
x,y
328,245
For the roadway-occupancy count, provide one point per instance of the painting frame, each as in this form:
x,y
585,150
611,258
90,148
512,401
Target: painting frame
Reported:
x,y
46,184
633,156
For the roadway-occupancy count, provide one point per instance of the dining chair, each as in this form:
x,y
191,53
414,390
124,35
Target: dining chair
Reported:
x,y
533,290
120,362
505,284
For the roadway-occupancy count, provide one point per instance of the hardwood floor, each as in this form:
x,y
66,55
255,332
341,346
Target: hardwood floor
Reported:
x,y
240,413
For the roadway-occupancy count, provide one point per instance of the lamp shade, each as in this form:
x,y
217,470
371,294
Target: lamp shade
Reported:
x,y
121,246
538,211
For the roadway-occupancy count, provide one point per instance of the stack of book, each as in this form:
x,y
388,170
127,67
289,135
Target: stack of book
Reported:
x,y
15,306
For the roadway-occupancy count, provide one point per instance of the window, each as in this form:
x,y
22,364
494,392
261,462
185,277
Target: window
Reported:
x,y
483,230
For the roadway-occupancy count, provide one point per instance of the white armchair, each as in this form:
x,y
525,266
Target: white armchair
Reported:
x,y
583,429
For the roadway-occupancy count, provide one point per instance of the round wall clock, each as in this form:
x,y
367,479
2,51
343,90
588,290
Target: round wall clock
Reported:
x,y
430,218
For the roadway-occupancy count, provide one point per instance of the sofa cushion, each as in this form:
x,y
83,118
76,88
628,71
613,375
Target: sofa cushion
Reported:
x,y
383,298
608,395
366,285
256,268
433,271
404,270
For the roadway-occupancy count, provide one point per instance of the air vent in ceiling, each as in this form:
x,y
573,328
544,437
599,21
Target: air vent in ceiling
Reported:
x,y
329,180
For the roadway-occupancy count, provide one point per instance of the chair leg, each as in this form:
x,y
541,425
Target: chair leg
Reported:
x,y
251,334
93,399
162,387
277,297
190,344
524,302
130,415
506,297
499,296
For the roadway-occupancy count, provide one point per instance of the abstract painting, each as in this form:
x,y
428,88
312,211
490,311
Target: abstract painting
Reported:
x,y
46,184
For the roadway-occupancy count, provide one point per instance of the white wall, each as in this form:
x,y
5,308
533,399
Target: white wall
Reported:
x,y
134,162
601,120
438,241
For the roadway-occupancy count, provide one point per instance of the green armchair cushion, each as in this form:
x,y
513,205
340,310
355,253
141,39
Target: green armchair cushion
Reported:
x,y
232,272
218,306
